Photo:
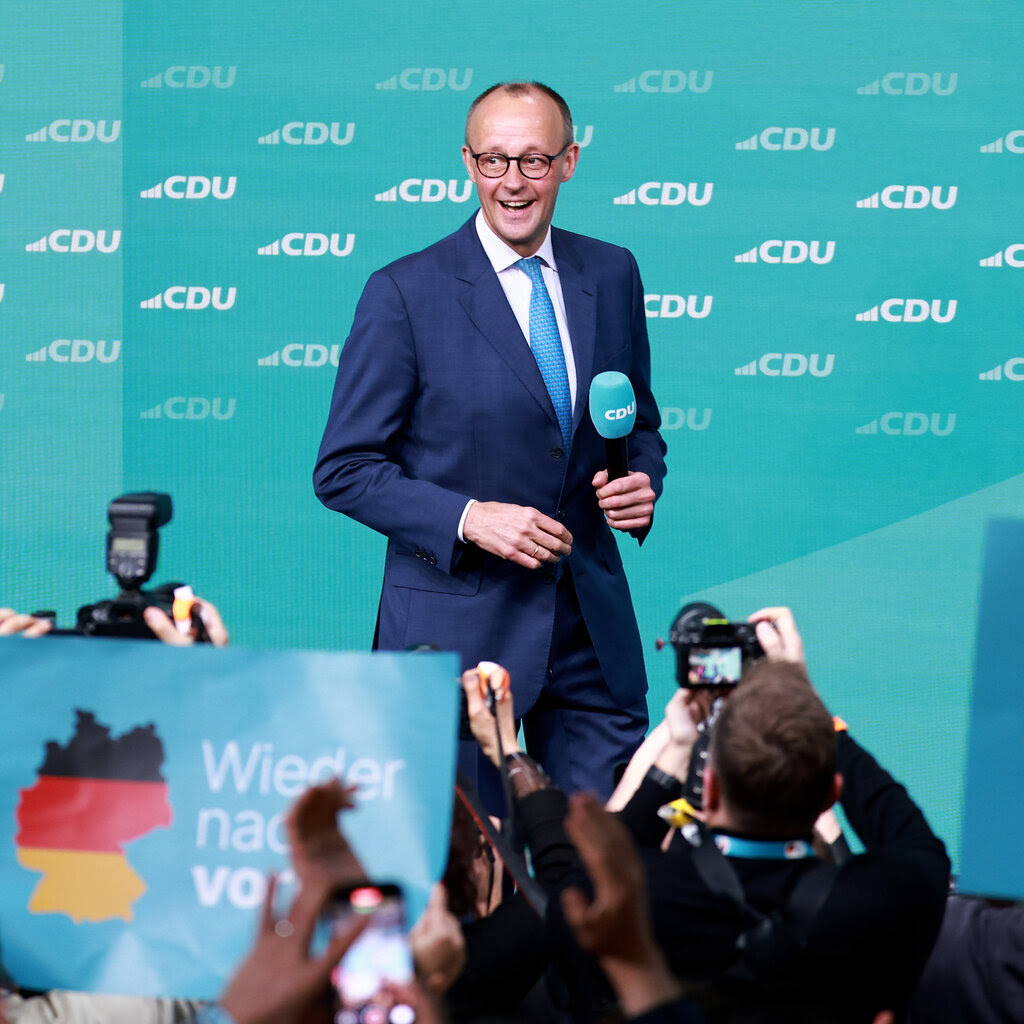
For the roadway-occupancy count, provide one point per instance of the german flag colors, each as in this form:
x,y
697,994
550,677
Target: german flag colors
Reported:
x,y
93,795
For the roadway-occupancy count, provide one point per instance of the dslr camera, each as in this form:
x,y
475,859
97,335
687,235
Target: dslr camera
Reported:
x,y
133,542
711,650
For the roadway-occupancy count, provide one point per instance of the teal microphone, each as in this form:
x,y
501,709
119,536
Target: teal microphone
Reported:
x,y
613,412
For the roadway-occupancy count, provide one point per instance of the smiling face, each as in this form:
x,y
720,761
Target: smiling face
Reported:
x,y
519,209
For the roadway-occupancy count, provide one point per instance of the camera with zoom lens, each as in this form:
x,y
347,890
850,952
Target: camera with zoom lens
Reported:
x,y
711,650
133,542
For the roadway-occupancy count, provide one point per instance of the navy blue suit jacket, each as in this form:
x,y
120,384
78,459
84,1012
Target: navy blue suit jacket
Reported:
x,y
438,399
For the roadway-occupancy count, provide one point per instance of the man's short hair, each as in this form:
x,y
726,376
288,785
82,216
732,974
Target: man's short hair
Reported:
x,y
773,751
524,89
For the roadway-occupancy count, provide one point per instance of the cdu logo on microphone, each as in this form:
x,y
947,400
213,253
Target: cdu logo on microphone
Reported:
x,y
612,404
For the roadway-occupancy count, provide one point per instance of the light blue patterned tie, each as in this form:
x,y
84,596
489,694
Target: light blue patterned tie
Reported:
x,y
546,343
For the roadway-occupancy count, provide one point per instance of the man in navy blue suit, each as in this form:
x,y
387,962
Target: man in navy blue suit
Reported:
x,y
459,429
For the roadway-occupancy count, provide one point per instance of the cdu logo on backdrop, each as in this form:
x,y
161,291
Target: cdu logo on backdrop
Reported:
x,y
911,83
297,243
587,137
775,250
1013,142
788,364
310,133
197,408
1011,256
652,81
911,424
76,130
910,197
910,311
1012,369
667,193
77,240
790,139
671,307
192,296
427,190
675,418
198,76
429,80
308,356
76,350
191,186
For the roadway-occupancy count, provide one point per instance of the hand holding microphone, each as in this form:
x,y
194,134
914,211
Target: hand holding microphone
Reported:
x,y
613,411
626,498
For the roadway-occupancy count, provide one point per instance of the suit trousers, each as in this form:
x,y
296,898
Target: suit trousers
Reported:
x,y
576,729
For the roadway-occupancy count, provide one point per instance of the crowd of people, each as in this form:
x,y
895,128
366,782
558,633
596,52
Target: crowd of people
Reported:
x,y
735,906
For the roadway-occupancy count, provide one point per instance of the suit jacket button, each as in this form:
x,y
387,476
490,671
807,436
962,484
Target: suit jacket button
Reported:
x,y
432,560
561,514
556,453
548,577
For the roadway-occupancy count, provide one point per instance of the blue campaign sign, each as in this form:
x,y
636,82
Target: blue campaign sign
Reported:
x,y
143,791
993,832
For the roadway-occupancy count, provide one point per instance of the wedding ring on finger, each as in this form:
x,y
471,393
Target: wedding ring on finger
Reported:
x,y
536,548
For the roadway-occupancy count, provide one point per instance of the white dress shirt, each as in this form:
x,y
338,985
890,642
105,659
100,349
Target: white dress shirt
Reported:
x,y
517,287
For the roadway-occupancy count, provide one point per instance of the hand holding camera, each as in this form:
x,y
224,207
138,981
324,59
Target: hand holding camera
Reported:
x,y
712,651
170,613
168,631
777,635
13,623
711,656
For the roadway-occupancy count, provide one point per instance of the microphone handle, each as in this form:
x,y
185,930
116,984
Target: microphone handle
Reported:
x,y
617,455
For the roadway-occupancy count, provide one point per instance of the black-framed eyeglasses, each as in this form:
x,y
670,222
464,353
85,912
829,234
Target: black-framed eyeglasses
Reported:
x,y
531,165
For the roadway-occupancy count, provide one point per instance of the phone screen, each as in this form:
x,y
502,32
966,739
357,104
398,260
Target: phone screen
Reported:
x,y
712,666
379,956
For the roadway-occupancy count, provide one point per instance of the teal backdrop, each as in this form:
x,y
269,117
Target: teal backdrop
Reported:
x,y
825,202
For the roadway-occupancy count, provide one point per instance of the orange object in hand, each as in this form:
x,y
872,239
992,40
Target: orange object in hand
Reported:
x,y
493,677
181,609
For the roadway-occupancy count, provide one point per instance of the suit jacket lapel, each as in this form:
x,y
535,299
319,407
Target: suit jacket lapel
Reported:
x,y
580,297
483,299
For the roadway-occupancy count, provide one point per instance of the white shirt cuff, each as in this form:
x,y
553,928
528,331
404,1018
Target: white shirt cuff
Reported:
x,y
462,521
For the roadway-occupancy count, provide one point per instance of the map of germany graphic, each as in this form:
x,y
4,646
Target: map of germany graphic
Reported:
x,y
93,795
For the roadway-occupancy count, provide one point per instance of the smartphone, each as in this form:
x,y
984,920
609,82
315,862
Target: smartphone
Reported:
x,y
379,956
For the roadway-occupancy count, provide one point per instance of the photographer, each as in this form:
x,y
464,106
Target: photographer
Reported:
x,y
132,547
781,929
664,758
856,937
